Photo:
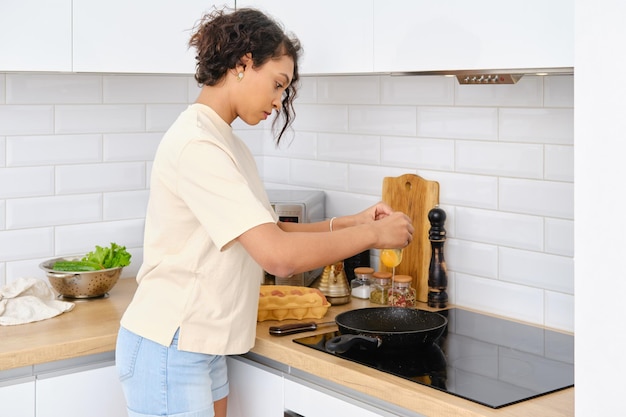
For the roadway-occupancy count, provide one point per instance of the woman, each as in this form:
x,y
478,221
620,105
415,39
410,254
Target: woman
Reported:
x,y
210,230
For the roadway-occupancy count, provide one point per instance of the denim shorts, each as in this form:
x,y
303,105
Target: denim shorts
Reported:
x,y
164,381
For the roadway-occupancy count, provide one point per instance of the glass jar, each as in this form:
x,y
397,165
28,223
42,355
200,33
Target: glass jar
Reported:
x,y
401,294
361,284
381,282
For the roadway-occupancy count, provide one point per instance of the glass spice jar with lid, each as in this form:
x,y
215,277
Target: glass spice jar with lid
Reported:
x,y
361,284
381,282
401,294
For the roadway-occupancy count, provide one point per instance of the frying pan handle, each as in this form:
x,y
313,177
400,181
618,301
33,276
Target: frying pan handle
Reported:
x,y
343,343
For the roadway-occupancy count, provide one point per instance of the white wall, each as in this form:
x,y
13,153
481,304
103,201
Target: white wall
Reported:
x,y
75,154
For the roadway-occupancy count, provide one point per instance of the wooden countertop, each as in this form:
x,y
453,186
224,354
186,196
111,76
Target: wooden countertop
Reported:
x,y
92,328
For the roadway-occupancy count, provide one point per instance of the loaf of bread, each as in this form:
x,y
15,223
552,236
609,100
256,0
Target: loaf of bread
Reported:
x,y
281,302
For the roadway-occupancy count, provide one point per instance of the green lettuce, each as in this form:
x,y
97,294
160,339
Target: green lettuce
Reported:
x,y
111,257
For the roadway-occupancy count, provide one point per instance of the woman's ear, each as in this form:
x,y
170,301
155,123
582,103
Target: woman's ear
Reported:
x,y
244,61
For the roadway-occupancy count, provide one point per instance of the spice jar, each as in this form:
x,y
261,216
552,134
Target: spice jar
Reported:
x,y
381,282
361,284
401,294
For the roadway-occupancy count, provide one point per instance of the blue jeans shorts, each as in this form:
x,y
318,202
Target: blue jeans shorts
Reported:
x,y
164,381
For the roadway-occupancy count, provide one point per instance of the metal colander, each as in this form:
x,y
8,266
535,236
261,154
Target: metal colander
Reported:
x,y
87,284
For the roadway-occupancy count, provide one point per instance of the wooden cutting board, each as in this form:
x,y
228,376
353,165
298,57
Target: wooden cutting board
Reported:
x,y
414,196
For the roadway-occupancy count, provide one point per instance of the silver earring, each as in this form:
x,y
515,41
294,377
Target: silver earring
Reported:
x,y
240,76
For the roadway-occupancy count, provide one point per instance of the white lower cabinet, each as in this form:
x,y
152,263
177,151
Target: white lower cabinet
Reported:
x,y
18,400
311,402
254,390
92,392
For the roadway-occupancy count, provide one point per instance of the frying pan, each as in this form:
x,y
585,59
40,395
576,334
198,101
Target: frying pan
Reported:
x,y
388,327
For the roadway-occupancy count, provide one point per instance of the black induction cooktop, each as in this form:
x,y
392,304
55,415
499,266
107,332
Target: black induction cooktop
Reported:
x,y
485,359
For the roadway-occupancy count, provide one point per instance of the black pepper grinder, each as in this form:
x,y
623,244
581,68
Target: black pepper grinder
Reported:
x,y
437,273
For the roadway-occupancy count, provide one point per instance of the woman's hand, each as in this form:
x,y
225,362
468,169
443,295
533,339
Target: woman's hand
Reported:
x,y
376,212
395,230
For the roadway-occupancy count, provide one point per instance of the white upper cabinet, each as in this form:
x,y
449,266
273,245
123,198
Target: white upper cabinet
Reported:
x,y
336,36
139,36
426,35
35,35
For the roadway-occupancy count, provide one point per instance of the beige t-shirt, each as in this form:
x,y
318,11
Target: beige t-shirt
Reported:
x,y
205,191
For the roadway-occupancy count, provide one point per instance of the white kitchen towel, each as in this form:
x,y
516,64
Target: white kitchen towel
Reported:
x,y
26,300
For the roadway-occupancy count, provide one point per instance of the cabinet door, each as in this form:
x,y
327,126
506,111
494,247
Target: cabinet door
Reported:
x,y
425,35
336,36
254,391
309,402
18,400
36,35
94,393
139,36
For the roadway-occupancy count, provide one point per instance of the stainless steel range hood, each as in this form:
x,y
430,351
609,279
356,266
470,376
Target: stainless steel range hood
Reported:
x,y
493,76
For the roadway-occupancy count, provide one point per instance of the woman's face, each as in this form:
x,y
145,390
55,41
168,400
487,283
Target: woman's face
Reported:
x,y
262,89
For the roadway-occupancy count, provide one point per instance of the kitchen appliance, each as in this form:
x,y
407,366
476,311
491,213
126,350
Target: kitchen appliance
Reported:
x,y
297,206
485,359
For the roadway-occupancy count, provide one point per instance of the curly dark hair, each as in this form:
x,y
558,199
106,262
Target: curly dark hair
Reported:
x,y
223,36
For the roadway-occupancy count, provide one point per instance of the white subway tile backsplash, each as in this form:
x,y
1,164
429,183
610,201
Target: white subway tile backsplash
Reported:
x,y
535,269
26,182
53,88
559,236
319,174
141,89
420,90
559,163
479,191
528,92
339,203
53,149
349,148
369,180
2,88
3,142
559,91
499,228
471,258
383,120
159,117
502,159
502,298
26,243
435,154
26,268
130,146
73,179
321,118
550,126
193,89
53,211
2,214
307,91
545,198
559,310
300,145
257,140
351,90
503,156
276,169
26,120
125,205
457,123
80,239
99,118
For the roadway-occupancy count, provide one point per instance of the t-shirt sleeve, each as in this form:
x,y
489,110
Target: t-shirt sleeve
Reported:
x,y
216,191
